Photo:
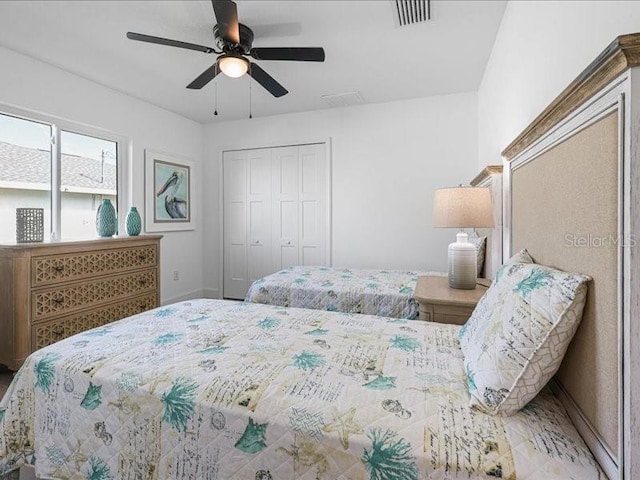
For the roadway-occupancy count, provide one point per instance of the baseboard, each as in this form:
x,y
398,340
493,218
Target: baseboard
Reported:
x,y
211,293
590,436
204,293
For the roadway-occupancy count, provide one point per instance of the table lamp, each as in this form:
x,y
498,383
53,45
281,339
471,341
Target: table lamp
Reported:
x,y
462,207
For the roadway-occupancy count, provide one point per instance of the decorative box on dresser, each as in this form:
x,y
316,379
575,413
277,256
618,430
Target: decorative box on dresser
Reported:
x,y
50,291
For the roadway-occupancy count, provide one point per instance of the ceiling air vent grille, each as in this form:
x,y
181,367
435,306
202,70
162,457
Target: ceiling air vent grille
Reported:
x,y
347,99
408,12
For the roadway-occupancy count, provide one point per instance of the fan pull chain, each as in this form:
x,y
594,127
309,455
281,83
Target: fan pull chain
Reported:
x,y
250,112
215,109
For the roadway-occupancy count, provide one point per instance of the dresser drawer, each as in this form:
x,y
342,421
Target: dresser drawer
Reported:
x,y
50,302
46,270
46,333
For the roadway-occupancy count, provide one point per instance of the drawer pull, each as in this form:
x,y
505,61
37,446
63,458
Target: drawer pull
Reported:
x,y
58,333
142,281
58,299
142,257
58,268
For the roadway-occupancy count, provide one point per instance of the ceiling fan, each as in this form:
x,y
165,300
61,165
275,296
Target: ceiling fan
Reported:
x,y
234,42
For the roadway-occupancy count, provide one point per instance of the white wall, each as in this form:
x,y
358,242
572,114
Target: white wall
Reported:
x,y
30,84
540,48
387,159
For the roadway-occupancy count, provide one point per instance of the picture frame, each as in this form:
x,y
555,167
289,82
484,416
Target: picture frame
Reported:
x,y
168,193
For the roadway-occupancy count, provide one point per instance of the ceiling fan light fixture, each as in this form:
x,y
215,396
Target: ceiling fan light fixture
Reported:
x,y
233,66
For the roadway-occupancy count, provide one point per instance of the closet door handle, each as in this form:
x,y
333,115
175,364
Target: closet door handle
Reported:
x,y
289,243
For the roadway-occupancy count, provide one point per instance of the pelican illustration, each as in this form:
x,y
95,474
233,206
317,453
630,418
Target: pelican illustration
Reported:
x,y
176,207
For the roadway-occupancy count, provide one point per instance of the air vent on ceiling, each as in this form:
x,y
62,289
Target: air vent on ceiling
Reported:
x,y
408,12
347,99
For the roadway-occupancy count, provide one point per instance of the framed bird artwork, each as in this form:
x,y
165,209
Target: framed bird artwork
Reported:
x,y
168,193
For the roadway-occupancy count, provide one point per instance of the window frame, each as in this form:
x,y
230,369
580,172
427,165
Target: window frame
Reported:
x,y
57,124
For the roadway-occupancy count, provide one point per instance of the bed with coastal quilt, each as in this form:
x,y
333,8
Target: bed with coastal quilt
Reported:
x,y
221,390
387,293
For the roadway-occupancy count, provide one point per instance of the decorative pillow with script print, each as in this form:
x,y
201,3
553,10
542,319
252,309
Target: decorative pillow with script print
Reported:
x,y
517,336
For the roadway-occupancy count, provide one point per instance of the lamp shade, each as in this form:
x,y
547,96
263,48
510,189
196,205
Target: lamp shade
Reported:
x,y
462,207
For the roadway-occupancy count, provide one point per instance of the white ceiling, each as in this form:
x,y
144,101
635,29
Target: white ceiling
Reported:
x,y
365,51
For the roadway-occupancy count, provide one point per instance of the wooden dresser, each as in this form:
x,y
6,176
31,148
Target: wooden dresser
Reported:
x,y
50,291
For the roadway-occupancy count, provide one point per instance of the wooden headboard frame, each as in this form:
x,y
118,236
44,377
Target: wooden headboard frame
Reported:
x,y
491,177
585,144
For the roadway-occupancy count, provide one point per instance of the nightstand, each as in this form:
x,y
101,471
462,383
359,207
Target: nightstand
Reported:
x,y
440,303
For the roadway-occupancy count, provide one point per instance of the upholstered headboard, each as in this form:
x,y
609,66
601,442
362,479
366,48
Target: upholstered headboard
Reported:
x,y
569,200
573,226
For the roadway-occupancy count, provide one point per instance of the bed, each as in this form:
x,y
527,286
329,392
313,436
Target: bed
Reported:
x,y
388,293
214,389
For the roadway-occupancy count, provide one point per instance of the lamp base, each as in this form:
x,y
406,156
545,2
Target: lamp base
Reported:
x,y
463,263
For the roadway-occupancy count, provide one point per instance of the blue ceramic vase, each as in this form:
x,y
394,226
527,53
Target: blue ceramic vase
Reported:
x,y
106,222
134,222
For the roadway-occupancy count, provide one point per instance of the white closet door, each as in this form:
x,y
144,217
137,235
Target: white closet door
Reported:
x,y
259,214
285,207
275,212
313,204
235,224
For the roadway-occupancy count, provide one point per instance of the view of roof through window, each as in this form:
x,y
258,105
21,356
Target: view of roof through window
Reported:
x,y
88,168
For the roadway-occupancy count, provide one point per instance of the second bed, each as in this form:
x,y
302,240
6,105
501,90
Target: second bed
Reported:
x,y
387,293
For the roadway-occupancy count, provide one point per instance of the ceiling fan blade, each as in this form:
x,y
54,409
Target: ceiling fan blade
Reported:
x,y
302,54
171,43
205,77
266,80
227,17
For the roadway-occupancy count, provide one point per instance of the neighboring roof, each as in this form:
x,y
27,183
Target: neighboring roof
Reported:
x,y
22,165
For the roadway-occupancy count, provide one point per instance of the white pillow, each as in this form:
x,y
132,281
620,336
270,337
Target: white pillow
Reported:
x,y
521,257
481,245
519,332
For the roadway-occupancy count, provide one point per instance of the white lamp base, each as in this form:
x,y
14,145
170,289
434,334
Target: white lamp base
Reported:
x,y
463,263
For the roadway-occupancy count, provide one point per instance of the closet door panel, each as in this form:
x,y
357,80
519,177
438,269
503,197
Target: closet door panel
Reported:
x,y
286,167
285,207
235,224
311,250
237,266
313,204
259,256
259,212
259,173
286,243
288,221
310,167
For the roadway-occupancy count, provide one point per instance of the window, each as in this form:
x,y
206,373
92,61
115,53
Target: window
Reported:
x,y
88,175
68,182
25,171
